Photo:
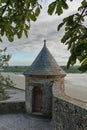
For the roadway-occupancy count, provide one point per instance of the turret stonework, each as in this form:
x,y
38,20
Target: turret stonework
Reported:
x,y
40,77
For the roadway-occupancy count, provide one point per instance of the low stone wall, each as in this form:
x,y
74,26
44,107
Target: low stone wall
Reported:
x,y
67,116
12,107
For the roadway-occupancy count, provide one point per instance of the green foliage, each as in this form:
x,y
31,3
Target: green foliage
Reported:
x,y
4,81
3,94
76,36
16,16
3,62
57,6
4,58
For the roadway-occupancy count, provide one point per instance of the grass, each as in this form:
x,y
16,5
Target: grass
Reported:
x,y
14,69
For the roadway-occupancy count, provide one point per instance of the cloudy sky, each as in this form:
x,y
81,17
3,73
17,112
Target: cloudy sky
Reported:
x,y
25,50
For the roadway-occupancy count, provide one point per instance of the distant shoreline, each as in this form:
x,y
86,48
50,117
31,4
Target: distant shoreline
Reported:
x,y
21,69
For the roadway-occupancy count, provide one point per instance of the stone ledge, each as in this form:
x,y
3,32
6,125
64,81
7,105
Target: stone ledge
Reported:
x,y
12,107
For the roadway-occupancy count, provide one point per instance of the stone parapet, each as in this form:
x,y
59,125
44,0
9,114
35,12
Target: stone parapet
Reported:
x,y
67,116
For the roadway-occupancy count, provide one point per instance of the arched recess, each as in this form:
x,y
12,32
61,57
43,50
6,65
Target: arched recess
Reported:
x,y
37,99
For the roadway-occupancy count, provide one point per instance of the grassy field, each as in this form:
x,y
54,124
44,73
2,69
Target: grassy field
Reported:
x,y
21,69
14,69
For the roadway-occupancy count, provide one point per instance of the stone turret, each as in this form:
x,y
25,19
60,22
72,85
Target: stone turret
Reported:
x,y
40,77
45,65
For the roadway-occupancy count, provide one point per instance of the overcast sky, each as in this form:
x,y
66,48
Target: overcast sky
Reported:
x,y
25,50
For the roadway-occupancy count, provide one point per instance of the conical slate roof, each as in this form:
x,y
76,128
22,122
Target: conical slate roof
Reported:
x,y
44,64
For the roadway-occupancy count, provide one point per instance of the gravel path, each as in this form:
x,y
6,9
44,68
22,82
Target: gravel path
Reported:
x,y
23,122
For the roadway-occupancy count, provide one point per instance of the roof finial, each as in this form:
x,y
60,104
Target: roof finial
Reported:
x,y
44,43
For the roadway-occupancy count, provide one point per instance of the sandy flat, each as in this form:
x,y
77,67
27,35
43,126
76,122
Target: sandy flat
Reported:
x,y
18,79
75,84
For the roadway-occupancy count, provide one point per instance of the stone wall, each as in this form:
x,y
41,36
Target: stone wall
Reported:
x,y
67,116
12,107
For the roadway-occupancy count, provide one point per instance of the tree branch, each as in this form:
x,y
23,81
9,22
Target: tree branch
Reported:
x,y
5,6
81,15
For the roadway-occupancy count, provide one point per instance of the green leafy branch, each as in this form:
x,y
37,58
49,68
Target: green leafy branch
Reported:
x,y
16,16
76,36
5,82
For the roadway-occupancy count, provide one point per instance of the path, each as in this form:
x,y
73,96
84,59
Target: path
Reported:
x,y
23,122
